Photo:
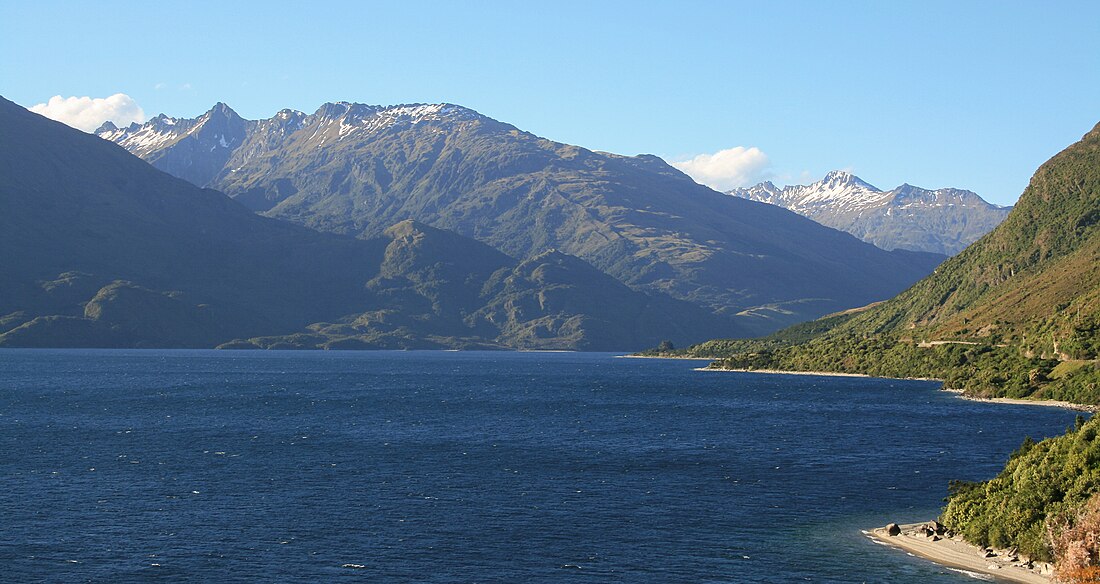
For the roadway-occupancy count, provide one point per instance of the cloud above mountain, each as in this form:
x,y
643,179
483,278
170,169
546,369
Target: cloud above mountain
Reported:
x,y
88,113
727,169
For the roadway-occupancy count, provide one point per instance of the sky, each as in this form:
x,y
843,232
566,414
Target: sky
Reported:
x,y
964,94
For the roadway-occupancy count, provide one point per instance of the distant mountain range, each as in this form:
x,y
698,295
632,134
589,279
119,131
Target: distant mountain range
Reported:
x,y
357,170
907,217
101,249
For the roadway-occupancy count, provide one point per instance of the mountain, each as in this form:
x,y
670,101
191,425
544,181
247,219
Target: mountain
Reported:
x,y
358,169
100,249
907,217
193,150
103,250
1015,314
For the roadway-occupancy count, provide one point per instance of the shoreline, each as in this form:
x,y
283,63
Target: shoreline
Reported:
x,y
632,356
815,373
1012,401
918,539
1048,403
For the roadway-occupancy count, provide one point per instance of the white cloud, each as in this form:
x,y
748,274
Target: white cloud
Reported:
x,y
727,169
88,113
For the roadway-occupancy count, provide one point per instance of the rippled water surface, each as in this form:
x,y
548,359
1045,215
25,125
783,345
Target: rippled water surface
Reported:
x,y
135,466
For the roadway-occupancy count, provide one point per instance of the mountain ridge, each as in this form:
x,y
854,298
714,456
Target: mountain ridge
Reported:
x,y
906,217
356,169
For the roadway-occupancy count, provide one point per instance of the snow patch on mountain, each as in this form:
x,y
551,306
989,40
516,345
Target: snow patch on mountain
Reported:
x,y
838,190
842,191
149,136
344,118
359,118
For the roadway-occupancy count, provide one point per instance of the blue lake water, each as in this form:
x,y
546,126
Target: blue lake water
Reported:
x,y
174,466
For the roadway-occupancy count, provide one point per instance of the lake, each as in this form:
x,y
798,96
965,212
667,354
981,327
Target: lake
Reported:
x,y
226,466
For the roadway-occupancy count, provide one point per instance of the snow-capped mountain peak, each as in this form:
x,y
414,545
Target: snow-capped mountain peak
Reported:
x,y
838,189
221,109
839,179
909,217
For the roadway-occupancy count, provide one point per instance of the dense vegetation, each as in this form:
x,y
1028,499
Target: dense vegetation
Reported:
x,y
980,370
1036,497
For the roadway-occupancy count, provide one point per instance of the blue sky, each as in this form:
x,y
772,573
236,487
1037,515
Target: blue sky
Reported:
x,y
967,94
